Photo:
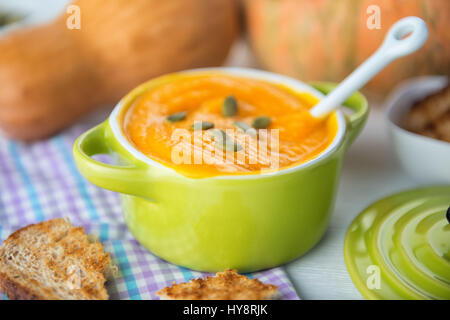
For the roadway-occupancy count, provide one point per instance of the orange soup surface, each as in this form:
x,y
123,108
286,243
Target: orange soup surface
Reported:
x,y
291,138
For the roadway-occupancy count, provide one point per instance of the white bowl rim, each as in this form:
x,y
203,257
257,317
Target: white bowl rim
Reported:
x,y
294,84
393,103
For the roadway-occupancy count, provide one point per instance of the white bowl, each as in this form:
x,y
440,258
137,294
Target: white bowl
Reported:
x,y
425,159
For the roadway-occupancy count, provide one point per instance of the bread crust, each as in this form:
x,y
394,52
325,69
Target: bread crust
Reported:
x,y
14,291
227,285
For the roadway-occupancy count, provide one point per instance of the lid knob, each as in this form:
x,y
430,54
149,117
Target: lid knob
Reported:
x,y
448,215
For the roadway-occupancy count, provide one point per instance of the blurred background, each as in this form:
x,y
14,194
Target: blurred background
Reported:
x,y
34,11
80,49
137,40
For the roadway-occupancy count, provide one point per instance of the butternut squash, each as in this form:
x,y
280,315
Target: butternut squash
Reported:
x,y
51,75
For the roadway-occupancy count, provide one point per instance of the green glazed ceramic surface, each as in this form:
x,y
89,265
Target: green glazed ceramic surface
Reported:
x,y
210,224
406,237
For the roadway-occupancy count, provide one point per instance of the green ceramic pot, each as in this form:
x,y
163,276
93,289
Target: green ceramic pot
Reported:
x,y
399,247
245,222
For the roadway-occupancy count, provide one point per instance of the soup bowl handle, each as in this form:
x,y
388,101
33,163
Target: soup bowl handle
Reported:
x,y
357,103
131,178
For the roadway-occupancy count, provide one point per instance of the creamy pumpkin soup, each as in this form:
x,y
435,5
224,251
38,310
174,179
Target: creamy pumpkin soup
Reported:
x,y
209,125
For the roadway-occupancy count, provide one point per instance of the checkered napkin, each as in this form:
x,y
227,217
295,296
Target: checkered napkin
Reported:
x,y
39,181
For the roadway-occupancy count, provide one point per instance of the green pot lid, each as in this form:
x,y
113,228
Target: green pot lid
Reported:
x,y
399,247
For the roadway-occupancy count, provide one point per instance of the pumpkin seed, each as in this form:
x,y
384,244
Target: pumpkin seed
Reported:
x,y
261,122
230,106
246,128
202,125
177,116
223,141
7,18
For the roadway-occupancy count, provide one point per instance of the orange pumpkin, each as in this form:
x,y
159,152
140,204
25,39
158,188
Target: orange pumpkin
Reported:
x,y
327,39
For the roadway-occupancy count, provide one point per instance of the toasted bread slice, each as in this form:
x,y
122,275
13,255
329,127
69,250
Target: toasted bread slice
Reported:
x,y
227,285
53,260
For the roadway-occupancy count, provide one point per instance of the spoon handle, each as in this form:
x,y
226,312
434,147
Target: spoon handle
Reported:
x,y
404,37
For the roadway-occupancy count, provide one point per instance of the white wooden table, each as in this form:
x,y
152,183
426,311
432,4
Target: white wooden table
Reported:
x,y
369,173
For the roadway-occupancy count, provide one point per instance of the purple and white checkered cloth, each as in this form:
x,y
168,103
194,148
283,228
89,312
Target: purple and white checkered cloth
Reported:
x,y
39,181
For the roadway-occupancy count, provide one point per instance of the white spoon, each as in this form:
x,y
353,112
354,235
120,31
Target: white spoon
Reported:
x,y
405,37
